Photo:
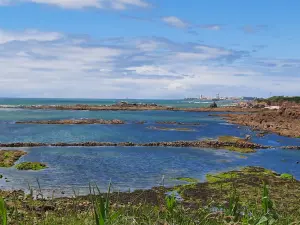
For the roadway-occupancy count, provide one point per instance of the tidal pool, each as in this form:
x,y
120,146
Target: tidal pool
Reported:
x,y
130,167
135,167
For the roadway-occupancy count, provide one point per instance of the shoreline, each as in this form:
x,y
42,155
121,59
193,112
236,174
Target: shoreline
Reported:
x,y
284,122
133,107
216,191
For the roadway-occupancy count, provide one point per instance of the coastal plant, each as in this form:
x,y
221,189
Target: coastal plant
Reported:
x,y
234,208
270,215
100,204
171,203
3,212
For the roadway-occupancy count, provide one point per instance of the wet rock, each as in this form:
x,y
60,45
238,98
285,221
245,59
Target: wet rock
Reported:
x,y
79,121
177,123
213,105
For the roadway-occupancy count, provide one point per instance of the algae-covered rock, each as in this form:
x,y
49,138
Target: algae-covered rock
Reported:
x,y
232,139
187,179
286,176
9,157
257,171
31,166
241,150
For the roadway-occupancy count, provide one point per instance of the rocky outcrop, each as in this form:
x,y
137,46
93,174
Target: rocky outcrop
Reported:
x,y
285,121
115,107
177,123
9,157
205,143
71,121
133,107
292,147
213,105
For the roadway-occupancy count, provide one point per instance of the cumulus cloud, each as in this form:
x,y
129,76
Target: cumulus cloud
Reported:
x,y
78,4
51,64
175,22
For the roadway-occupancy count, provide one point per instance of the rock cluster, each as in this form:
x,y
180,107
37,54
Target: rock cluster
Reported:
x,y
292,147
177,123
206,143
72,121
285,121
133,107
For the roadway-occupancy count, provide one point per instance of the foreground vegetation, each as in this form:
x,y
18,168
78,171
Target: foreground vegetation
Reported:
x,y
249,196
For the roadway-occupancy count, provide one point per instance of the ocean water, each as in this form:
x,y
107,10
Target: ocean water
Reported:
x,y
73,168
49,101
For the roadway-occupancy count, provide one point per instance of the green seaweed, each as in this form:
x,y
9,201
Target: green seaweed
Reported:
x,y
232,139
287,176
241,150
187,179
257,171
31,166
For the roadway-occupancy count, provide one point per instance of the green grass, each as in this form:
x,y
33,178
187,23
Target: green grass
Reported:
x,y
250,196
31,166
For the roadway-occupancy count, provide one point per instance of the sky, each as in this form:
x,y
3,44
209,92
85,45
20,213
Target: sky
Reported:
x,y
157,49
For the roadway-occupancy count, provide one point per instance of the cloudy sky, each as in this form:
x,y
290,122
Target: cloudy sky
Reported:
x,y
149,48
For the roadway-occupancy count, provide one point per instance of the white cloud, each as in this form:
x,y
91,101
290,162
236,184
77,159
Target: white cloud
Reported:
x,y
28,35
175,22
78,4
50,64
215,27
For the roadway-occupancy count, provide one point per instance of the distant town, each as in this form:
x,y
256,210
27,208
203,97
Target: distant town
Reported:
x,y
219,98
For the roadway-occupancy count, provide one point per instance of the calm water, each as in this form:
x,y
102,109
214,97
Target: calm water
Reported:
x,y
128,167
43,101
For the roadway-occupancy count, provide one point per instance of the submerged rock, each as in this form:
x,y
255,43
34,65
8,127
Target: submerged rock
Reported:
x,y
170,128
177,123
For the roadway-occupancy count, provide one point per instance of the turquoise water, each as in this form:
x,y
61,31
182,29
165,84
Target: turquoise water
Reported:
x,y
49,101
128,167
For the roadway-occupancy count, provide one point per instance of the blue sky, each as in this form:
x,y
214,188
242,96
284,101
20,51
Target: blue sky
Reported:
x,y
149,48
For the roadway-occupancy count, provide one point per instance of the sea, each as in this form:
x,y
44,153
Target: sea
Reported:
x,y
72,169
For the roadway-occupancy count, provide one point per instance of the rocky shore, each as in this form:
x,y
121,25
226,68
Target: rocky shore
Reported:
x,y
197,144
133,107
80,121
285,121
